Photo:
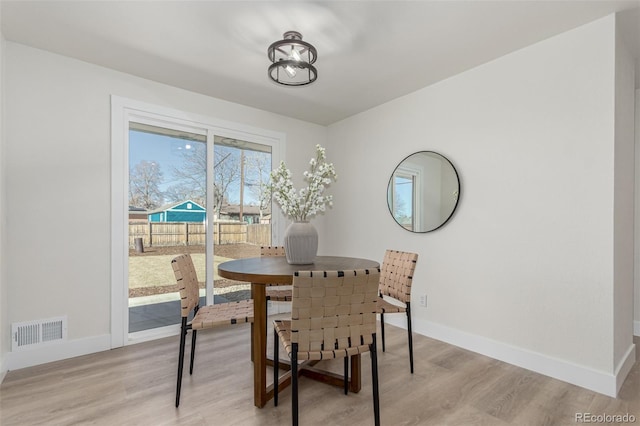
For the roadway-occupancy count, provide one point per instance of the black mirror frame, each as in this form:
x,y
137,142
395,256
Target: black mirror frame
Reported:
x,y
455,171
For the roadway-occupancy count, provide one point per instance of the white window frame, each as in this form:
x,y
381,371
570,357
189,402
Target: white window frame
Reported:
x,y
124,110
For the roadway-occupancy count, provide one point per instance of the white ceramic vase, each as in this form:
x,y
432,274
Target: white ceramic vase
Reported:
x,y
300,243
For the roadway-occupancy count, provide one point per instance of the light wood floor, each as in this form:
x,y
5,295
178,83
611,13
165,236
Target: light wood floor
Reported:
x,y
135,385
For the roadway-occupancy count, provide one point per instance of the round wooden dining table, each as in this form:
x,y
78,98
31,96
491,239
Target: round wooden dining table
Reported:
x,y
274,270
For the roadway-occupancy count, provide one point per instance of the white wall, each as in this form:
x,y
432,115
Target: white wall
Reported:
x,y
636,303
624,188
524,271
57,151
4,323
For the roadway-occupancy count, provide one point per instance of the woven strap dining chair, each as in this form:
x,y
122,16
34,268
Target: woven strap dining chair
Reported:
x,y
272,291
396,276
333,315
204,317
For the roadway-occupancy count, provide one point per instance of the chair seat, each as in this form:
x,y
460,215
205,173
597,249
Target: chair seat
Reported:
x,y
385,307
278,295
223,314
283,328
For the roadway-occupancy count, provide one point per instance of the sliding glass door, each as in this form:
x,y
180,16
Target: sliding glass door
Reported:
x,y
170,179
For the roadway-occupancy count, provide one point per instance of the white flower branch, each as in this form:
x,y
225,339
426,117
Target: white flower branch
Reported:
x,y
306,203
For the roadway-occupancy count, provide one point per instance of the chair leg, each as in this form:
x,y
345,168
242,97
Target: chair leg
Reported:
x,y
382,329
410,337
374,379
194,334
276,366
294,384
183,338
346,375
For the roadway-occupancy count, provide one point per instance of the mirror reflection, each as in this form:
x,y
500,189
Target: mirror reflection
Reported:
x,y
423,191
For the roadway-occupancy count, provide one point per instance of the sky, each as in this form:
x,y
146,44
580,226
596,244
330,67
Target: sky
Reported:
x,y
167,151
164,150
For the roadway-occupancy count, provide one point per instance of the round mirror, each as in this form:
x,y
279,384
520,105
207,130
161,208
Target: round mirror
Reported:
x,y
423,191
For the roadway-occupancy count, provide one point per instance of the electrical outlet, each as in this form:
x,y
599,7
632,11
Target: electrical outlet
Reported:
x,y
423,300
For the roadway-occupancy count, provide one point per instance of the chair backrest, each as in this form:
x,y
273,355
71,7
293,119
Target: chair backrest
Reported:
x,y
396,274
187,280
333,311
272,251
277,251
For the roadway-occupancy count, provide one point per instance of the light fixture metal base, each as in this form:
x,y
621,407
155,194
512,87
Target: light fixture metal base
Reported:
x,y
292,61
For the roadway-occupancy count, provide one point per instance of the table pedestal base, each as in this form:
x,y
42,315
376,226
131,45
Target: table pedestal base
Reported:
x,y
308,369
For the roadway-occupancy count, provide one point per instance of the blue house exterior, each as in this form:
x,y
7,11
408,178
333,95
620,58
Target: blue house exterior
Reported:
x,y
185,211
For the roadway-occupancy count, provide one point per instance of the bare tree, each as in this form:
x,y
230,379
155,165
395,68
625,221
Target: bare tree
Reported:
x,y
144,185
258,167
191,175
226,170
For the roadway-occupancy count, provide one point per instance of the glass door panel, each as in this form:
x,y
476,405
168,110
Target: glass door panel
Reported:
x,y
167,217
242,208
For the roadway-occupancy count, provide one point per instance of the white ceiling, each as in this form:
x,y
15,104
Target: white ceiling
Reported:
x,y
369,52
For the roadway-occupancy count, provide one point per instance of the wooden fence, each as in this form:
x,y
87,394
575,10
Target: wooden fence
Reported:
x,y
193,234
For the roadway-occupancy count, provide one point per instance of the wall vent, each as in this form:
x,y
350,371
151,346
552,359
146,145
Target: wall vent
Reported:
x,y
37,333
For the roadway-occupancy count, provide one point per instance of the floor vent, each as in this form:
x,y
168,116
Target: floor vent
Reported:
x,y
36,333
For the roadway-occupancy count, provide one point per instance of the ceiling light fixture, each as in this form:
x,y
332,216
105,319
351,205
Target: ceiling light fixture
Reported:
x,y
292,60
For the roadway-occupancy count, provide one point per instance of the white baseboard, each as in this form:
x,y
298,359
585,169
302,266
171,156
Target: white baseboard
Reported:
x,y
57,351
607,384
624,367
598,381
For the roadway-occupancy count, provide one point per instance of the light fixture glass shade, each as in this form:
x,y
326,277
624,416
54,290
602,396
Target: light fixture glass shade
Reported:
x,y
292,60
